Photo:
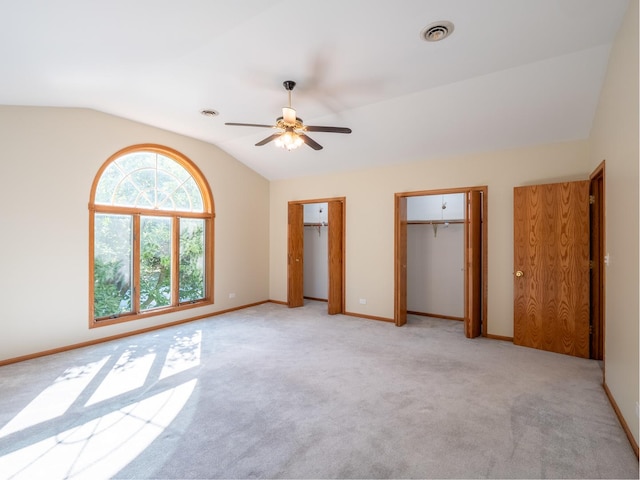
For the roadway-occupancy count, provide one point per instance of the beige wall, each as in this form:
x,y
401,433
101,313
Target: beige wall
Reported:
x,y
614,138
370,216
49,159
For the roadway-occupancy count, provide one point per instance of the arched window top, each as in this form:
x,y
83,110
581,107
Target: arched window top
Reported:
x,y
151,177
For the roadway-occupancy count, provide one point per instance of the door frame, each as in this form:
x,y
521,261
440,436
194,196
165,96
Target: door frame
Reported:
x,y
336,258
597,224
400,247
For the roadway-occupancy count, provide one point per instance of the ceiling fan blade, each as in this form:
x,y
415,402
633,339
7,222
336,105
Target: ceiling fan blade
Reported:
x,y
250,125
312,128
270,138
310,141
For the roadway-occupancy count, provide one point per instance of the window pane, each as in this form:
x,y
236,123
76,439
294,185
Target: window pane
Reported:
x,y
155,262
149,180
192,244
112,265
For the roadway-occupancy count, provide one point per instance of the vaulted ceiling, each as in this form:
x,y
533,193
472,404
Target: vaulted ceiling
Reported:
x,y
513,73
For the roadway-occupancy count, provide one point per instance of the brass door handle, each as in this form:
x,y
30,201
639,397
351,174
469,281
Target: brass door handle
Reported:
x,y
519,273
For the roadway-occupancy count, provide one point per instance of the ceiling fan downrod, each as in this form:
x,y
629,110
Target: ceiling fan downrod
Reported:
x,y
289,85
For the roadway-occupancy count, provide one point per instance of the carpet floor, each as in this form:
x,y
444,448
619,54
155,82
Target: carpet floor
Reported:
x,y
272,392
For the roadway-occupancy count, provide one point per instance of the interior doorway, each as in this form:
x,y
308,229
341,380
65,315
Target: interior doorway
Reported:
x,y
469,218
333,226
435,255
316,251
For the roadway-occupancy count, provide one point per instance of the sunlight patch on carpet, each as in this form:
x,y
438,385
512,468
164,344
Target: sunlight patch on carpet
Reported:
x,y
129,373
56,399
183,354
101,447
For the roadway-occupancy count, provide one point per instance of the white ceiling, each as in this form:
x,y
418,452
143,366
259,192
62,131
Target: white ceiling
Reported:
x,y
514,72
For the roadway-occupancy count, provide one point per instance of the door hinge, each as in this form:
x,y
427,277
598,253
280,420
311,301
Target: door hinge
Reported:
x,y
590,329
590,264
592,199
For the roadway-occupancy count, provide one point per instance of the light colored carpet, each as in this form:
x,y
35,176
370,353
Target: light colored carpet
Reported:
x,y
272,392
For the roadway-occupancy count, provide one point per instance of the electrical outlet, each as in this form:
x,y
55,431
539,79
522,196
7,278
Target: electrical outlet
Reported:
x,y
232,295
363,301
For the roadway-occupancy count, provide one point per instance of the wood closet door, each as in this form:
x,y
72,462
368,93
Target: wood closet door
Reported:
x,y
473,289
336,257
400,306
295,268
551,267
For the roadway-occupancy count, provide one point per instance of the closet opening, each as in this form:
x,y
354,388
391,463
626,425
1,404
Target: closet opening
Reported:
x,y
440,256
435,255
316,253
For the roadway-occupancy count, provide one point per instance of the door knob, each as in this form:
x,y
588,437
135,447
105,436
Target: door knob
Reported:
x,y
519,273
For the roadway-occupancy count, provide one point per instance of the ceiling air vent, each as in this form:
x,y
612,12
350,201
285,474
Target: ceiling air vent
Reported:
x,y
437,31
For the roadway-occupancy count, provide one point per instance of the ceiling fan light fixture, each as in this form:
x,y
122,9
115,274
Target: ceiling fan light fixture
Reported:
x,y
437,31
289,140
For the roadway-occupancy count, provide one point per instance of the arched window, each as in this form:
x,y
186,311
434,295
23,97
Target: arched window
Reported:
x,y
151,236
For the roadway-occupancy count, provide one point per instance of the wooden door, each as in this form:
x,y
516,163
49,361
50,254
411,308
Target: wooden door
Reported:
x,y
551,263
400,313
336,257
295,268
473,290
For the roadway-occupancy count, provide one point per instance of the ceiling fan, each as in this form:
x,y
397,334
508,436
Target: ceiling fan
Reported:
x,y
292,130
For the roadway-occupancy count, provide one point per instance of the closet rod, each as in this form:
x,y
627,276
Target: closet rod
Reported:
x,y
433,222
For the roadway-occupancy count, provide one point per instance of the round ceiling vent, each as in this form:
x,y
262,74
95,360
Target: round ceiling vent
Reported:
x,y
437,31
